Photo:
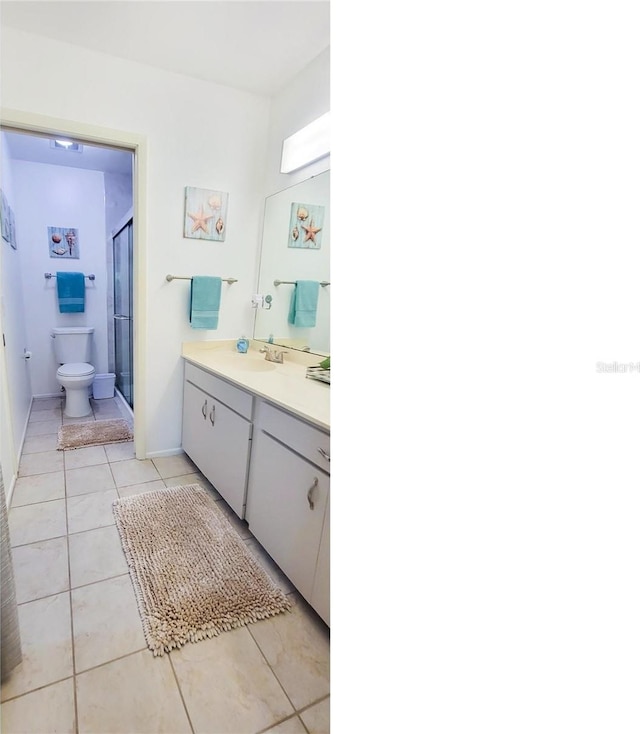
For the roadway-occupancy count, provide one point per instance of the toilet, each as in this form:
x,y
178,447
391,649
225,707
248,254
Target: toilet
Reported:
x,y
72,347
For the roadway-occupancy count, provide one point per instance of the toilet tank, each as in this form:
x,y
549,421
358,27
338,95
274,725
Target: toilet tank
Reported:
x,y
72,343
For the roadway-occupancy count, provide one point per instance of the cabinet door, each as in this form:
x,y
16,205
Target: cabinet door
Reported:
x,y
320,596
195,435
218,440
285,509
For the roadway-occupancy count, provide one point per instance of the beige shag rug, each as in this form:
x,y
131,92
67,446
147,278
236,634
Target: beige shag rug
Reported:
x,y
93,433
192,574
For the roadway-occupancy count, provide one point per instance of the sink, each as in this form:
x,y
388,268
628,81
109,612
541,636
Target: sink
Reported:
x,y
243,362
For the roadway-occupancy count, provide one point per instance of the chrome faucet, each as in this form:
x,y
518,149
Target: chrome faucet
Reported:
x,y
273,355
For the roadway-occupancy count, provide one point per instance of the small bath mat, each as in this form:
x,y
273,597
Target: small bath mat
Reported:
x,y
93,433
192,574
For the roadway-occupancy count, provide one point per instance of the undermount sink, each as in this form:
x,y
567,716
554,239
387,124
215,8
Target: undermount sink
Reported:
x,y
244,362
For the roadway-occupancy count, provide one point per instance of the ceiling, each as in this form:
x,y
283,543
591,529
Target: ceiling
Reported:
x,y
253,46
37,149
256,46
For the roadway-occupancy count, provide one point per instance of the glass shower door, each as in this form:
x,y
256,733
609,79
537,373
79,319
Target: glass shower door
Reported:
x,y
123,310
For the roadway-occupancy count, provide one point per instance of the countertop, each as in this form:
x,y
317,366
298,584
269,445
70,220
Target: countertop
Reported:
x,y
285,385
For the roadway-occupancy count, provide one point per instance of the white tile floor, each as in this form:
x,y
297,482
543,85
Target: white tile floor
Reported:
x,y
86,668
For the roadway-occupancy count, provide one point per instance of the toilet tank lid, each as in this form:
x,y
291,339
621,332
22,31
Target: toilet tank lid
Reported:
x,y
72,330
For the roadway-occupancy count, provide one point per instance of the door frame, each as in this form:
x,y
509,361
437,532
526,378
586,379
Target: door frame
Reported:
x,y
20,121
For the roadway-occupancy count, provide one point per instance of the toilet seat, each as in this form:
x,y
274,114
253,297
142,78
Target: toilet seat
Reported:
x,y
76,369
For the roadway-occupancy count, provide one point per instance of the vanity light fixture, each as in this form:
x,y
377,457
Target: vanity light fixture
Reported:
x,y
66,145
307,145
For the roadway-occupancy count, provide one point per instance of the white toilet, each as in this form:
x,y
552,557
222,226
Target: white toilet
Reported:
x,y
72,347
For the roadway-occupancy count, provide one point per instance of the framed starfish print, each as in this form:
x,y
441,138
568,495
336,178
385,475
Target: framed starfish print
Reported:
x,y
205,214
305,226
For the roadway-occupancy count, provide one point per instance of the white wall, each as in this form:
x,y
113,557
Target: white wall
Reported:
x,y
118,188
198,134
57,196
17,389
302,101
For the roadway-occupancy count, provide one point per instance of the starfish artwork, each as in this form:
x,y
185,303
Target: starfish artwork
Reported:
x,y
205,214
200,221
306,223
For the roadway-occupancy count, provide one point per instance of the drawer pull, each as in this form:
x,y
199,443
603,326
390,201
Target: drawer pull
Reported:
x,y
324,454
310,493
212,416
204,410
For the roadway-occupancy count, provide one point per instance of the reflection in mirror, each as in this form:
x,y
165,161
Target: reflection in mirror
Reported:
x,y
295,246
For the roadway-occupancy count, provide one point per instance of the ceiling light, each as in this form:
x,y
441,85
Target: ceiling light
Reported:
x,y
66,145
307,145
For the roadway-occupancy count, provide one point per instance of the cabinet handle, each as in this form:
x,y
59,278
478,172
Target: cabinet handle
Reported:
x,y
310,493
204,410
212,416
324,454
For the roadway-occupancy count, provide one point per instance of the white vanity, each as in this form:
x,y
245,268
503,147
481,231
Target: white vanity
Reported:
x,y
259,432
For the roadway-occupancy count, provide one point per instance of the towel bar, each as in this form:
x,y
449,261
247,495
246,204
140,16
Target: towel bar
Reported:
x,y
188,277
293,282
48,276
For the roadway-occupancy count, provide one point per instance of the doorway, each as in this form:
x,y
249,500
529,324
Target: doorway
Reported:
x,y
136,144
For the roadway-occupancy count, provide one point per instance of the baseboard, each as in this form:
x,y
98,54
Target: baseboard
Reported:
x,y
24,432
20,448
123,403
166,452
9,490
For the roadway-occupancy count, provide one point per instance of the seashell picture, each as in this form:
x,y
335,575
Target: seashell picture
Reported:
x,y
305,226
205,214
64,242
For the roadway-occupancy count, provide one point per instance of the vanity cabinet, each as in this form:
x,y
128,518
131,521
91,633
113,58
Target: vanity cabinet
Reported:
x,y
272,467
216,433
288,500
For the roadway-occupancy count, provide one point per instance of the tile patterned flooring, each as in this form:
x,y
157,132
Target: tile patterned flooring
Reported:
x,y
86,668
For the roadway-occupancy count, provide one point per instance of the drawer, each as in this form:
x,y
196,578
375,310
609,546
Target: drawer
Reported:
x,y
303,438
232,397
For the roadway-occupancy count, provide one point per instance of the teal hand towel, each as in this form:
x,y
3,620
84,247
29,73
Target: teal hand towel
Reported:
x,y
304,303
70,292
205,302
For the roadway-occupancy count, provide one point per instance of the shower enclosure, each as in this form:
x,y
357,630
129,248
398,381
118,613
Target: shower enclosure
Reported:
x,y
123,310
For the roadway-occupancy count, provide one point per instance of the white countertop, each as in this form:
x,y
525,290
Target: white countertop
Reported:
x,y
285,384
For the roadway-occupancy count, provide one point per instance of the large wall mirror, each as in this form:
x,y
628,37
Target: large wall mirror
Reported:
x,y
295,246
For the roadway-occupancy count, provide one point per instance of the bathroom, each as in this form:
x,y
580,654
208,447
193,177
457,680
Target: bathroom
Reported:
x,y
219,137
216,138
90,190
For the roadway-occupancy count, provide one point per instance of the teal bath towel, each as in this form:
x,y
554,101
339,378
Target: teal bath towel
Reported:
x,y
70,292
304,303
205,302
